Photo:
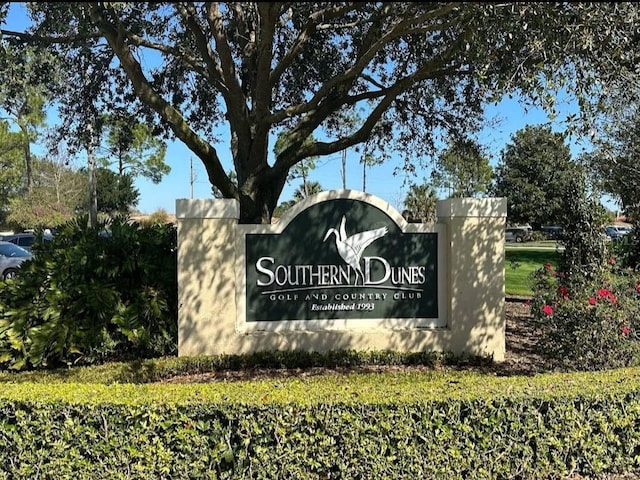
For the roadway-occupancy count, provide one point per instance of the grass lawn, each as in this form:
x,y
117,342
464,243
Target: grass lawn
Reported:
x,y
519,265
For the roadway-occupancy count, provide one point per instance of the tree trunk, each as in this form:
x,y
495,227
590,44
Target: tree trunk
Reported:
x,y
27,159
259,199
91,168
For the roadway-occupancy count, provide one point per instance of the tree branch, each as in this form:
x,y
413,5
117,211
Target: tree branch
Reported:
x,y
46,40
115,35
235,100
433,69
214,74
304,35
363,58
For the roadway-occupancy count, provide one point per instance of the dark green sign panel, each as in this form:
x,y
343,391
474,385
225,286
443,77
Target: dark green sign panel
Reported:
x,y
341,259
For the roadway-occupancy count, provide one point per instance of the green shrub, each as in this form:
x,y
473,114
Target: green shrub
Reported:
x,y
431,426
596,326
92,294
590,306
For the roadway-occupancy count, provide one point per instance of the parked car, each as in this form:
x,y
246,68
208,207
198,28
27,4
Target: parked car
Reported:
x,y
619,229
25,239
11,257
553,232
517,234
613,232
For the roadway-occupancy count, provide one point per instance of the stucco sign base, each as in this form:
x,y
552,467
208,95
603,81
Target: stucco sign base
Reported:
x,y
464,314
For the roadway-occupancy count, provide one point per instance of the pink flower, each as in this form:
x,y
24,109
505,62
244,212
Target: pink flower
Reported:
x,y
547,266
611,297
592,300
625,330
638,288
612,261
603,292
547,310
564,291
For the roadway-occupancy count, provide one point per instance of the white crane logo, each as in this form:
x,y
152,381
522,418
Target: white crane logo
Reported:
x,y
351,248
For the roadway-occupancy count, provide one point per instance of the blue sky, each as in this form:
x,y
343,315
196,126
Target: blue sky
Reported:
x,y
381,180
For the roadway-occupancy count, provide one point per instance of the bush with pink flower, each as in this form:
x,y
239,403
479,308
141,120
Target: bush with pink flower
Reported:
x,y
589,325
589,307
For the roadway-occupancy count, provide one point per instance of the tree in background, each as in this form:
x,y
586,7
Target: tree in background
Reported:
x,y
258,68
300,170
311,188
11,168
283,208
463,169
57,193
116,193
343,124
131,148
368,160
25,94
420,202
298,195
533,173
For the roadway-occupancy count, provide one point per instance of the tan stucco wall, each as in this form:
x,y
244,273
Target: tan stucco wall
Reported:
x,y
476,274
206,274
208,315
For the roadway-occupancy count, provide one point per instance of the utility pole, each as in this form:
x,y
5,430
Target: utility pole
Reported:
x,y
364,176
192,177
344,168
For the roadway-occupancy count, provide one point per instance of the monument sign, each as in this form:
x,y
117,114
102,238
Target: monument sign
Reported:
x,y
341,270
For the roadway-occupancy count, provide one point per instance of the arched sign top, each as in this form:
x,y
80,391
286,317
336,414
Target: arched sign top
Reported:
x,y
355,195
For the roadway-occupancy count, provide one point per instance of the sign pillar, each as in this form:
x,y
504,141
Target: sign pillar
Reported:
x,y
476,273
206,275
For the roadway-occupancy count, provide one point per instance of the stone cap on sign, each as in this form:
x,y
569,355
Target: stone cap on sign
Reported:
x,y
472,207
206,208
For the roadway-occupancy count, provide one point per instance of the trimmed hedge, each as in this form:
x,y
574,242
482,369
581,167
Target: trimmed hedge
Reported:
x,y
449,425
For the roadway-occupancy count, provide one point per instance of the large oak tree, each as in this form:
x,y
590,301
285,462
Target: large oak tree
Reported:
x,y
534,174
417,70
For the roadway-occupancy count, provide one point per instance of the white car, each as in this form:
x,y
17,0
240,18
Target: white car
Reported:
x,y
11,256
623,230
